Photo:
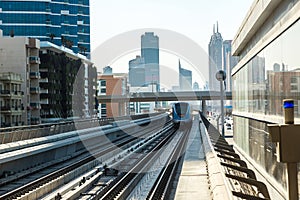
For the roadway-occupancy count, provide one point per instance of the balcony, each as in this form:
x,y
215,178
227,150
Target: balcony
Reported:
x,y
5,124
34,60
35,120
44,101
10,109
9,76
34,75
18,93
20,123
34,90
44,91
44,80
5,109
43,69
5,93
35,106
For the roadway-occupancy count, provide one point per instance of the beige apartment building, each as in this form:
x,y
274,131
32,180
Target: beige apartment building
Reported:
x,y
19,65
11,105
41,82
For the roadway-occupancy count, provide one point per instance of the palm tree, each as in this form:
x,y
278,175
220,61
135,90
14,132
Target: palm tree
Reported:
x,y
82,49
69,44
63,41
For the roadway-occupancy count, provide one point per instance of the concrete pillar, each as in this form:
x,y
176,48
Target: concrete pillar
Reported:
x,y
120,109
204,108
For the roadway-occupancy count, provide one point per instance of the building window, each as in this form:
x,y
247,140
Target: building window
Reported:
x,y
103,90
294,87
294,80
252,137
103,83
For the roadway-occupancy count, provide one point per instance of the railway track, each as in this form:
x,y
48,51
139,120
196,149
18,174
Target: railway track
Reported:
x,y
162,187
124,184
129,179
59,170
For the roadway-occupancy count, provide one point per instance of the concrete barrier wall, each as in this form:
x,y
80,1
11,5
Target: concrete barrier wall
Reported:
x,y
30,132
18,135
218,185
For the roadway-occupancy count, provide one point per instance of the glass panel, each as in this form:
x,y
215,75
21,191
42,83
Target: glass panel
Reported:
x,y
259,88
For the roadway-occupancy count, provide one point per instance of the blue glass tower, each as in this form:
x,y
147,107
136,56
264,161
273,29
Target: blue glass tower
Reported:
x,y
185,79
150,54
137,72
62,22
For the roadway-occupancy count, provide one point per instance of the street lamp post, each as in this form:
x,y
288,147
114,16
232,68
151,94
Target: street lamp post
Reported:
x,y
221,76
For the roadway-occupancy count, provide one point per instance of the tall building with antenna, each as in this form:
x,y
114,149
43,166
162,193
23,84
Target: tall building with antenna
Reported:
x,y
215,58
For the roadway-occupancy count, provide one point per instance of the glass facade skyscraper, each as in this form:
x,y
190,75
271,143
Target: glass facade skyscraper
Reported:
x,y
62,22
215,59
229,62
137,72
150,54
185,79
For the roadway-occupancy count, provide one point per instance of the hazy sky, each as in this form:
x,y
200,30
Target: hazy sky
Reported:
x,y
192,18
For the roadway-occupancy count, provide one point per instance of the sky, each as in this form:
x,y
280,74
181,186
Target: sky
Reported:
x,y
193,19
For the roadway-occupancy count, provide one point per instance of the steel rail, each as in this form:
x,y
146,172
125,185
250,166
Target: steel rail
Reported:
x,y
15,193
161,188
118,185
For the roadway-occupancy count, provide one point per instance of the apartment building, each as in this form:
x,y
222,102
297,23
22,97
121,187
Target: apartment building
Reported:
x,y
20,57
51,82
11,105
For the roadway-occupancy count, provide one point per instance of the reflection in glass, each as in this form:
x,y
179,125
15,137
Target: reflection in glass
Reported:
x,y
259,88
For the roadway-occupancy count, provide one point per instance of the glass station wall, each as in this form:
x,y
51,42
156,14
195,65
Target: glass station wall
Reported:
x,y
258,90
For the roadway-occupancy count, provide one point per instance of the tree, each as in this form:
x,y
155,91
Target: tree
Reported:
x,y
69,44
82,49
66,43
63,41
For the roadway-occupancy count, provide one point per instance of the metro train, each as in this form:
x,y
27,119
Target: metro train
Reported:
x,y
181,113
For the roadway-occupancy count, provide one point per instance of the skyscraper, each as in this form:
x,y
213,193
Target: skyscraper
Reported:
x,y
137,72
196,86
150,54
229,62
62,22
185,78
107,70
215,58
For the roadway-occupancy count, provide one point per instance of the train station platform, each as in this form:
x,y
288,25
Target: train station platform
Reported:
x,y
193,181
213,169
275,190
